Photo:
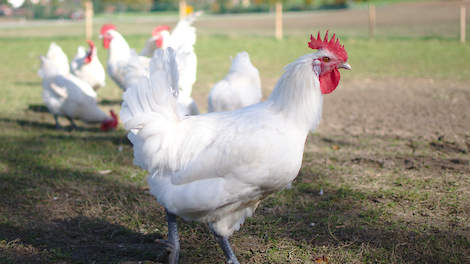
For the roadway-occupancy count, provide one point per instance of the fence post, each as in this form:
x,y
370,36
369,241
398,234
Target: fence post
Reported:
x,y
462,23
371,20
182,7
279,20
88,20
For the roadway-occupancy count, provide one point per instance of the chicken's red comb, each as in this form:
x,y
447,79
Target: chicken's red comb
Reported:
x,y
89,55
332,45
106,27
159,29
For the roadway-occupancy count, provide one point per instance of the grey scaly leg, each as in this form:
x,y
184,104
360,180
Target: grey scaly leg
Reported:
x,y
57,125
226,248
72,123
173,242
173,238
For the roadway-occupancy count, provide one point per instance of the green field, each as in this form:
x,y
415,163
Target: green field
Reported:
x,y
391,157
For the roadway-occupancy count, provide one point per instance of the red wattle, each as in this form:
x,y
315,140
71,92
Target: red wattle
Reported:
x,y
329,81
106,42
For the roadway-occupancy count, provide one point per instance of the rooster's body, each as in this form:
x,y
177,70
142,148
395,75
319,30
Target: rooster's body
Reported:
x,y
240,87
216,168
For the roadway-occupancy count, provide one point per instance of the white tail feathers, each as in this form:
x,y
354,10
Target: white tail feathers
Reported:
x,y
152,96
150,110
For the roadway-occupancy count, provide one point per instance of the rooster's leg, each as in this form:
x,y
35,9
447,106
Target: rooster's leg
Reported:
x,y
173,242
72,123
226,248
57,124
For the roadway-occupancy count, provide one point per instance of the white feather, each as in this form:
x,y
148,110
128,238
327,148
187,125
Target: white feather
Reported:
x,y
240,87
215,168
56,55
67,95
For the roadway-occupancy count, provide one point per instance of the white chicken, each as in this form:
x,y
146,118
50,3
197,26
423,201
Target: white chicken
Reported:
x,y
119,56
56,55
87,66
182,40
240,87
216,168
67,95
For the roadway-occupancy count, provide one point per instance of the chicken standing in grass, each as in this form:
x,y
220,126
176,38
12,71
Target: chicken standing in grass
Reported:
x,y
240,87
66,95
216,168
182,40
87,66
120,57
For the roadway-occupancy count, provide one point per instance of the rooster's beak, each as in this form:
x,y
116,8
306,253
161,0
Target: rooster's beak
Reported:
x,y
345,66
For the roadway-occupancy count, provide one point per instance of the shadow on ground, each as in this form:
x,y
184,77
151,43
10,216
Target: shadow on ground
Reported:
x,y
54,214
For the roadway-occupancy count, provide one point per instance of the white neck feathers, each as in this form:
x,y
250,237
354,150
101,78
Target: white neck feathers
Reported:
x,y
297,94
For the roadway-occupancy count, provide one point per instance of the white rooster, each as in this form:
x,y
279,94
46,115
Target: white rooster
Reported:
x,y
67,95
216,168
119,54
240,87
87,66
182,40
56,55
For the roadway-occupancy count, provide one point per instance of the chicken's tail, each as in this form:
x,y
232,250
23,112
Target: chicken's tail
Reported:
x,y
149,108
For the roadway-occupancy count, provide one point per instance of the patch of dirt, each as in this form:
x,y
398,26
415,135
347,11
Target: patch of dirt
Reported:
x,y
404,107
424,162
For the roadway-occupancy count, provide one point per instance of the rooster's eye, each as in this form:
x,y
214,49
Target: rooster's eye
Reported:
x,y
325,59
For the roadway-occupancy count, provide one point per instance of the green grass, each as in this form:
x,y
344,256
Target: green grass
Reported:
x,y
76,197
405,58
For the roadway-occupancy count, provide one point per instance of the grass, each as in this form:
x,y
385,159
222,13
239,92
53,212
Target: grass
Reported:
x,y
75,197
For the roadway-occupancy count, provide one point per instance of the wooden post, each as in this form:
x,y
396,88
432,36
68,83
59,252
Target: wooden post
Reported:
x,y
463,21
279,20
182,7
371,20
88,20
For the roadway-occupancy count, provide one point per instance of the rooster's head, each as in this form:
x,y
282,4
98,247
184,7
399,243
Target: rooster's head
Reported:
x,y
159,33
105,34
330,56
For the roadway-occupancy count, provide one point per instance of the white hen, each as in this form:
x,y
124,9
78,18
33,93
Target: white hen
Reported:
x,y
182,40
216,168
124,66
87,66
240,87
67,95
57,56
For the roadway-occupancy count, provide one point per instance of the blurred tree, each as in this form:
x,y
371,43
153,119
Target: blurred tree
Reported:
x,y
132,5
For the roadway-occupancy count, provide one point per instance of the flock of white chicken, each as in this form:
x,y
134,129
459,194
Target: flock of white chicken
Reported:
x,y
69,91
214,168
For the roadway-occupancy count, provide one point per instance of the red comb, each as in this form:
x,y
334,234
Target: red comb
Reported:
x,y
159,29
106,27
332,45
89,54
